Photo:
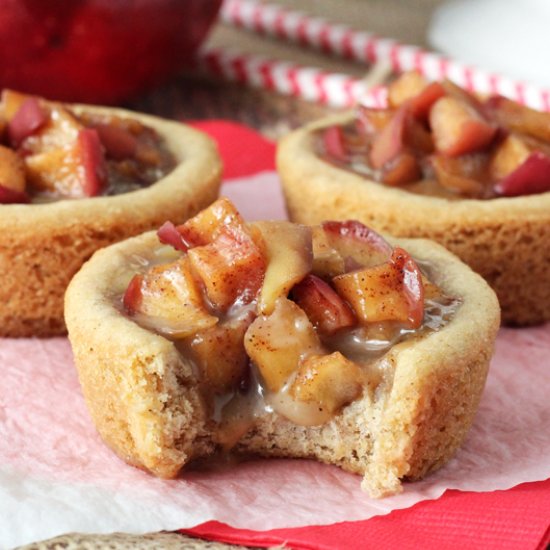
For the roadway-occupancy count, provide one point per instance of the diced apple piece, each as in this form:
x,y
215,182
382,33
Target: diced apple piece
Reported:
x,y
389,292
331,381
168,299
29,118
421,105
404,168
416,136
119,143
61,130
512,152
220,355
357,243
462,174
530,177
169,234
458,128
54,171
289,256
9,196
12,170
277,343
404,88
324,308
202,228
94,175
327,262
389,142
519,118
232,267
78,171
455,91
371,120
333,143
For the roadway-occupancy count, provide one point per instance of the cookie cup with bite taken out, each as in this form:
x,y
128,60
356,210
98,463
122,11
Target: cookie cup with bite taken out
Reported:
x,y
64,219
469,173
298,362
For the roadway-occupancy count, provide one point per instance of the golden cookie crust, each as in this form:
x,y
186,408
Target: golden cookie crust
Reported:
x,y
504,239
43,245
144,397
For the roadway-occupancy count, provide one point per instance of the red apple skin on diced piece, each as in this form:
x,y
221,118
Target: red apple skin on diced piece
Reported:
x,y
29,118
334,144
119,143
421,105
231,267
403,169
276,343
388,292
168,299
168,234
289,256
132,296
331,381
389,142
9,196
357,242
458,128
202,228
93,162
529,178
324,308
508,156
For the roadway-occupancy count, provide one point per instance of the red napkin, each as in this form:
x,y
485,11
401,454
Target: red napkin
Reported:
x,y
517,519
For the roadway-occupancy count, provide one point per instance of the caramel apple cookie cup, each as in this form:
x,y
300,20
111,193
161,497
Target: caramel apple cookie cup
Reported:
x,y
503,239
42,245
150,405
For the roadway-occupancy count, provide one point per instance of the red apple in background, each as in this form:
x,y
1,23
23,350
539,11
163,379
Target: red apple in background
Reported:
x,y
99,51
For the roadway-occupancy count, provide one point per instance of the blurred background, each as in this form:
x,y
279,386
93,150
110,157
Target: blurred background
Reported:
x,y
140,53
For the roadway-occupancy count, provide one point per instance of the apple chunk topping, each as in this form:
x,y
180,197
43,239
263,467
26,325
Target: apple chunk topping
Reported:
x,y
288,249
70,155
231,267
220,354
358,244
292,315
458,128
392,291
276,343
435,138
168,299
324,307
330,381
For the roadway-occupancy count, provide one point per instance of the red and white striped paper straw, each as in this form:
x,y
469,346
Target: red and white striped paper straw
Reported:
x,y
309,83
279,22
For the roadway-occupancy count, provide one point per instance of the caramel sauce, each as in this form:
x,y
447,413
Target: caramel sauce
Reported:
x,y
235,412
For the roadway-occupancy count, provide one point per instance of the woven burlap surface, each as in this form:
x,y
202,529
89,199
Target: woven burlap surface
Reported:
x,y
124,541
